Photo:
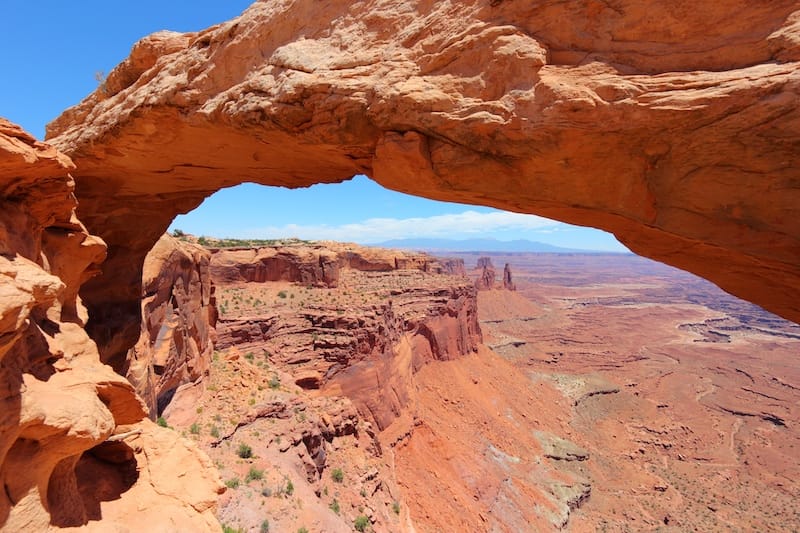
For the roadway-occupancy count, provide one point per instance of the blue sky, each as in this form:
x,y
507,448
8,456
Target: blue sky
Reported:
x,y
54,48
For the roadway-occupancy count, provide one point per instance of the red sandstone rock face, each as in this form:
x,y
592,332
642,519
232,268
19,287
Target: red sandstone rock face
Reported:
x,y
75,444
178,317
674,126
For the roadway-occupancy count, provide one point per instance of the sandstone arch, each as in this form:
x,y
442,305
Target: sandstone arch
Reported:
x,y
676,127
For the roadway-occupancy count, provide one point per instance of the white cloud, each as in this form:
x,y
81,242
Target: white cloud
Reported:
x,y
455,226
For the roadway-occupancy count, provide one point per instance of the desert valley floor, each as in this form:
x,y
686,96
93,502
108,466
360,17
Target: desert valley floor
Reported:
x,y
609,393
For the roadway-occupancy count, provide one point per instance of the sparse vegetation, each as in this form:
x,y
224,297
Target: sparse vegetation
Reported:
x,y
254,474
334,506
289,487
194,429
361,523
302,530
214,432
161,421
244,451
282,294
396,507
228,529
337,475
232,483
264,526
274,382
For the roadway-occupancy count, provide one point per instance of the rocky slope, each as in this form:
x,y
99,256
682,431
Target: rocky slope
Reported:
x,y
75,442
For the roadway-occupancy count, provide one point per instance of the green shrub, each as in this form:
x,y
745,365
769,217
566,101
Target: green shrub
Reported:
x,y
337,475
232,483
244,451
282,294
253,474
215,432
264,526
302,530
194,429
274,382
335,506
289,487
396,507
229,529
161,421
361,523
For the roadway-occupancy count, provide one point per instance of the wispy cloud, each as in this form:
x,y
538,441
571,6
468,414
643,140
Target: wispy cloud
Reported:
x,y
455,225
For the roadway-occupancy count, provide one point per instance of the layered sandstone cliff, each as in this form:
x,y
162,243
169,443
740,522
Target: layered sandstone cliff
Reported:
x,y
319,264
337,328
75,443
674,126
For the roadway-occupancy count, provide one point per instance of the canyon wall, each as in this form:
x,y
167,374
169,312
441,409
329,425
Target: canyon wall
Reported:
x,y
344,342
673,126
75,442
178,318
319,264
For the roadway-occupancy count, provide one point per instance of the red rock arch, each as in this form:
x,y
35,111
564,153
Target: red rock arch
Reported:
x,y
676,127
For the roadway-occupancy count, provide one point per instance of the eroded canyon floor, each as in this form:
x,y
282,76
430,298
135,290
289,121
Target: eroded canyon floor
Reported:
x,y
685,398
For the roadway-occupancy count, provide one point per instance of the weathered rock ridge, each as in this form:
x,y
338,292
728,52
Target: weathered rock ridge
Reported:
x,y
674,126
319,264
75,442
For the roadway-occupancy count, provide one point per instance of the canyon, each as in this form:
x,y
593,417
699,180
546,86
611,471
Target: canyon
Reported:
x,y
674,127
688,421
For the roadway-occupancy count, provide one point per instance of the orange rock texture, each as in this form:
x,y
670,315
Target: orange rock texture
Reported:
x,y
178,317
75,441
675,126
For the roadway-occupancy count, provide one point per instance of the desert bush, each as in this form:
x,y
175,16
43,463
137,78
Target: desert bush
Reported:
x,y
337,475
253,474
161,421
361,523
244,451
232,483
334,506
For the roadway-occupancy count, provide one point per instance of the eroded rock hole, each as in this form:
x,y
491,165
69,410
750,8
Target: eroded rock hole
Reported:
x,y
78,486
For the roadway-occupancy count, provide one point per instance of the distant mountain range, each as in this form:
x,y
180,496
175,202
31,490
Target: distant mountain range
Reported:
x,y
484,245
